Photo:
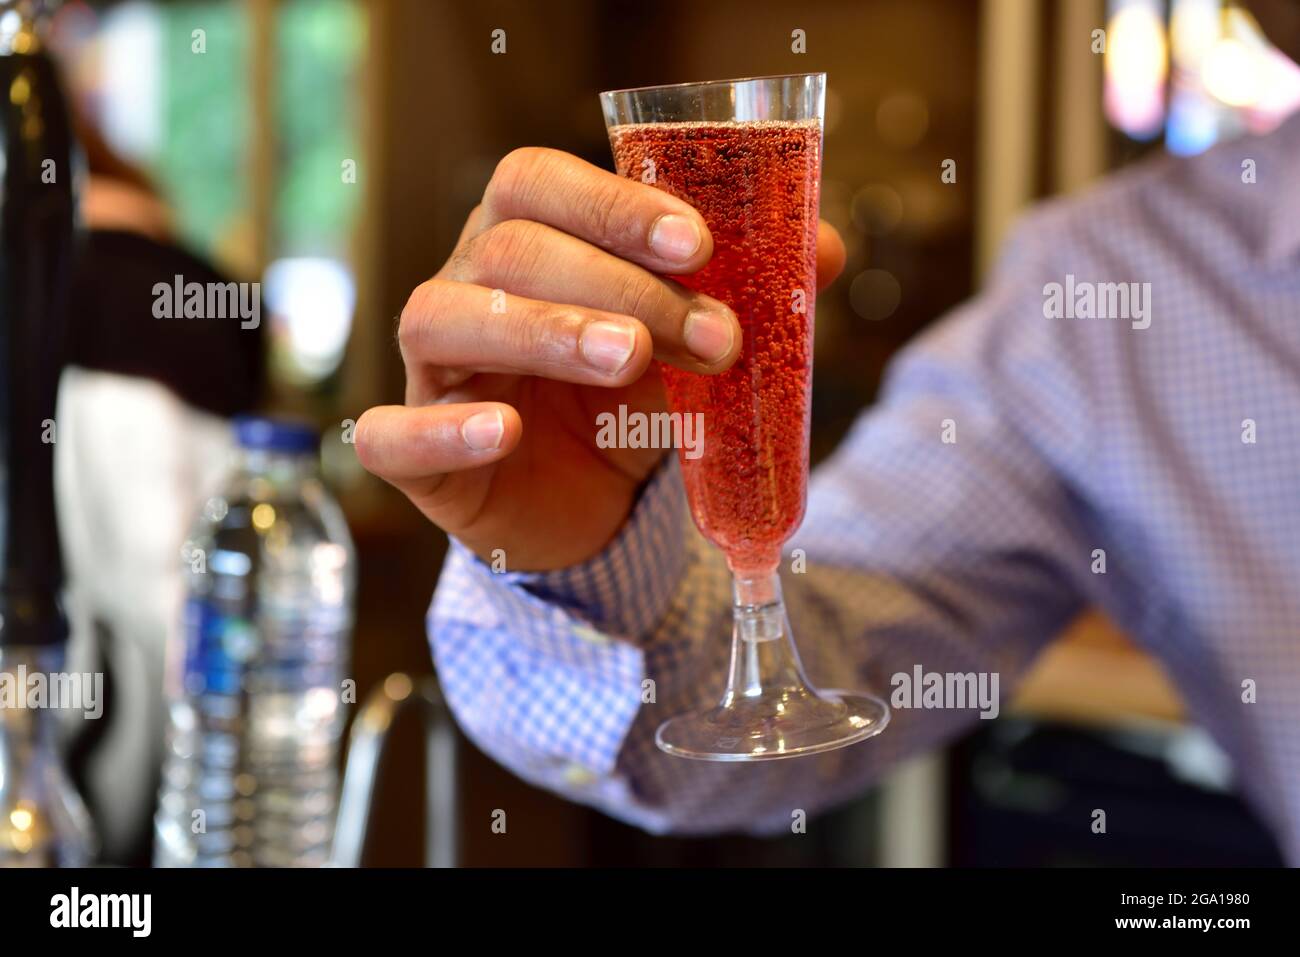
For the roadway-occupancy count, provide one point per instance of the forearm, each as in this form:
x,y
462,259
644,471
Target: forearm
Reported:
x,y
856,628
565,678
853,631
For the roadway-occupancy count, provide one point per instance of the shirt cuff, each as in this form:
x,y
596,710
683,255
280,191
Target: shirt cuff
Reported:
x,y
621,593
546,670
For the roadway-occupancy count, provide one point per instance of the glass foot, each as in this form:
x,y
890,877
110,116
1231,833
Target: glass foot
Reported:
x,y
777,723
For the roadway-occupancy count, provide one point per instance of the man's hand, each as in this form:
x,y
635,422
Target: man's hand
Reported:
x,y
548,313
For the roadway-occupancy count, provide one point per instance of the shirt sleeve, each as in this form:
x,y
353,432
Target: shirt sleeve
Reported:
x,y
546,671
944,536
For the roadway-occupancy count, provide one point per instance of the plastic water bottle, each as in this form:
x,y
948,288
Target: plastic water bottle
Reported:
x,y
250,772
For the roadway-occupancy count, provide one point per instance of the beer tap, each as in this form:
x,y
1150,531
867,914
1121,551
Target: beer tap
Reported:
x,y
42,820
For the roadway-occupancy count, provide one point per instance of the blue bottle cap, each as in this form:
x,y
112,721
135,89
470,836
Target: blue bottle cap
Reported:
x,y
263,434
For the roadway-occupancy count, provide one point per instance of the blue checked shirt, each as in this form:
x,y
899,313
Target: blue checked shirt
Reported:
x,y
1071,435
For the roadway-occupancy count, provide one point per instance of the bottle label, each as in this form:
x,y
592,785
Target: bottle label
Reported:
x,y
218,648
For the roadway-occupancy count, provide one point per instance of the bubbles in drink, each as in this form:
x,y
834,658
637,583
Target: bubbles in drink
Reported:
x,y
756,185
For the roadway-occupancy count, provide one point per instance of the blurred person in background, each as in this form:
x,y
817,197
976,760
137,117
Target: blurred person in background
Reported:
x,y
969,556
143,409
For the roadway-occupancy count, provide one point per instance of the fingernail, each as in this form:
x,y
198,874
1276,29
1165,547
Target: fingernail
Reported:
x,y
607,345
709,334
675,238
482,431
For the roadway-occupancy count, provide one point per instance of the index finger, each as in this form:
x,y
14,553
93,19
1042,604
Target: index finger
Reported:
x,y
629,219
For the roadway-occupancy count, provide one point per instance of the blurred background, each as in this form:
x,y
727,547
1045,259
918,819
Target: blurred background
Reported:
x,y
331,149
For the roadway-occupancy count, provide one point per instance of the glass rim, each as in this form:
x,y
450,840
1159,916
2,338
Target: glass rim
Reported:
x,y
737,80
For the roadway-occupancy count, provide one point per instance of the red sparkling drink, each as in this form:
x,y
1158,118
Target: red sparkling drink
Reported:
x,y
756,185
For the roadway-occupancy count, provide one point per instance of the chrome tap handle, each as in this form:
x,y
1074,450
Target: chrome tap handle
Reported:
x,y
366,746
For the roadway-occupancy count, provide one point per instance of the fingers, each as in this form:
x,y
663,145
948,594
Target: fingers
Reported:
x,y
473,328
537,261
412,447
553,228
629,219
830,254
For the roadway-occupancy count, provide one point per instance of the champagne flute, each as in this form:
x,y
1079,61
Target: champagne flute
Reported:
x,y
747,155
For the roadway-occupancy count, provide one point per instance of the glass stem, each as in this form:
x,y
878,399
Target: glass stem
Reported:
x,y
763,656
